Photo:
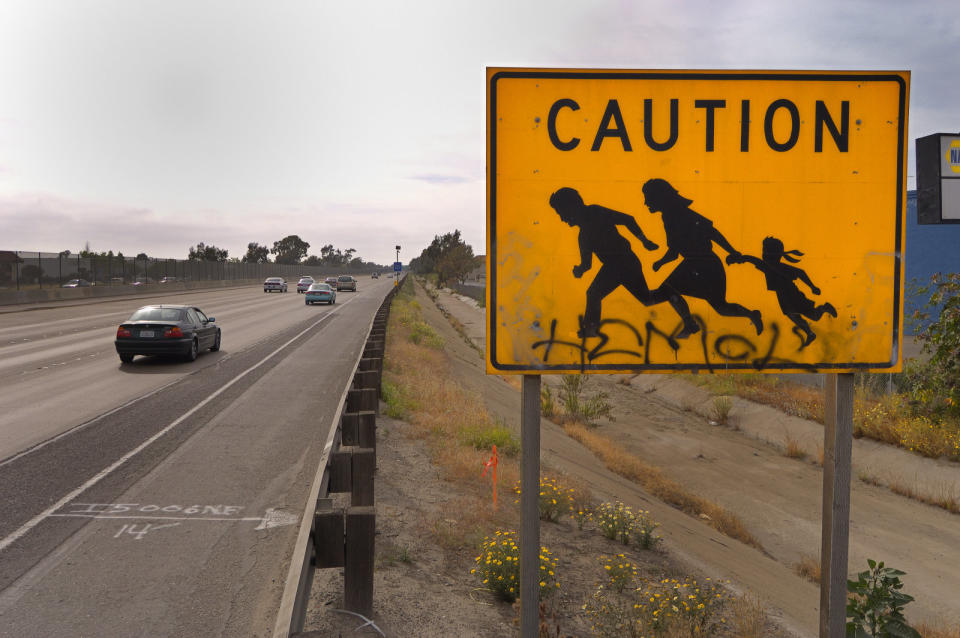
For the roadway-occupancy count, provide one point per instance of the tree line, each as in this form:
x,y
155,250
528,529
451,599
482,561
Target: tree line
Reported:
x,y
289,250
448,256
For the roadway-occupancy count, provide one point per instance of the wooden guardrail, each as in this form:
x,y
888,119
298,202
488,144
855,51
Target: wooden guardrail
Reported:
x,y
343,537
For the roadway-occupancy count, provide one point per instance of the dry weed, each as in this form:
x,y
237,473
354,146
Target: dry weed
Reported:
x,y
748,619
937,630
809,568
720,409
792,448
943,496
666,489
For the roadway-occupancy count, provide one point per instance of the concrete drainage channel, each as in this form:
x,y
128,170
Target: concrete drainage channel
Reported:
x,y
330,537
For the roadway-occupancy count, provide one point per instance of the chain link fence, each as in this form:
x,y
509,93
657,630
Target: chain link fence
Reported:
x,y
22,270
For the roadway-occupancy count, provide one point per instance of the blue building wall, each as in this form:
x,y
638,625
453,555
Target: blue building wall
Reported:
x,y
930,248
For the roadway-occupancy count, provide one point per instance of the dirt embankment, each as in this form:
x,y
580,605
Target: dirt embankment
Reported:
x,y
661,420
422,589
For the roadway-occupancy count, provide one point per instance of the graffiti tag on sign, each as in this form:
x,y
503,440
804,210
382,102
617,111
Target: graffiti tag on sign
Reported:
x,y
676,221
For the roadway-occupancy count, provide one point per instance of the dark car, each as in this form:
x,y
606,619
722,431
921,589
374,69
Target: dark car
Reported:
x,y
169,330
346,282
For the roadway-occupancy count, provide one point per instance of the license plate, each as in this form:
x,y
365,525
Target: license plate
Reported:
x,y
146,333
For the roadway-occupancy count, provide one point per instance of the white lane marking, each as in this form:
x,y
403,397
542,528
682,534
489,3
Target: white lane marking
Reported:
x,y
36,520
272,518
143,531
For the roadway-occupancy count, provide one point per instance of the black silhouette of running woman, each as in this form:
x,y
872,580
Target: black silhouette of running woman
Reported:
x,y
621,267
780,277
691,235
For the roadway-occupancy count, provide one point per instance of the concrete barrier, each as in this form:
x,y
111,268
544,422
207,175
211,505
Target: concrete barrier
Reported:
x,y
50,295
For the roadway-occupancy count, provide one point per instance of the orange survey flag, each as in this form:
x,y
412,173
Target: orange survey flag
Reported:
x,y
492,466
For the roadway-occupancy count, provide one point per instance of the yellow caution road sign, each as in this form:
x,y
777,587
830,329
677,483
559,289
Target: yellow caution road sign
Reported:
x,y
657,221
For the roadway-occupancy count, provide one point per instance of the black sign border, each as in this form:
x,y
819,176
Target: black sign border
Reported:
x,y
693,75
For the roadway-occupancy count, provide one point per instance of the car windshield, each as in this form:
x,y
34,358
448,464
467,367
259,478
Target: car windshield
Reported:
x,y
157,314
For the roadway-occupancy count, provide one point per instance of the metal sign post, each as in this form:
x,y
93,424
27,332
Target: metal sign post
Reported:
x,y
530,506
835,535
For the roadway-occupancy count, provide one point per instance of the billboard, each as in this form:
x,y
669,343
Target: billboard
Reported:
x,y
658,221
938,179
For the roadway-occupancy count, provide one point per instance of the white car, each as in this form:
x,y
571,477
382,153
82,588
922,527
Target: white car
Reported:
x,y
275,283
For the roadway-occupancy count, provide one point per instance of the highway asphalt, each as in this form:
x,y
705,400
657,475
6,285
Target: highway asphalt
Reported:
x,y
162,498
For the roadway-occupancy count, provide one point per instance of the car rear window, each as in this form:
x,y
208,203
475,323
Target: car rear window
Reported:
x,y
346,278
157,314
320,287
274,280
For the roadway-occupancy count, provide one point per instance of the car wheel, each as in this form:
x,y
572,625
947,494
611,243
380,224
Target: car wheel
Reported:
x,y
126,358
193,352
216,343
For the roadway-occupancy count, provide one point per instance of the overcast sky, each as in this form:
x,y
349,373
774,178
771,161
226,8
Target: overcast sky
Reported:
x,y
151,126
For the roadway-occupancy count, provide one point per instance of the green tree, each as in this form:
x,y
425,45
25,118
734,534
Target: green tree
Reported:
x,y
455,264
936,383
290,250
256,254
202,252
447,255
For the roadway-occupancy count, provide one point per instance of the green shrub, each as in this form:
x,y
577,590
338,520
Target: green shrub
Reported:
x,y
616,521
625,605
484,437
554,499
548,407
875,604
422,332
577,406
399,406
498,567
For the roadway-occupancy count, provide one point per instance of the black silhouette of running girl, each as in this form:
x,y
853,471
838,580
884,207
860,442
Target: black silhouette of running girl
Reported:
x,y
780,277
691,235
621,267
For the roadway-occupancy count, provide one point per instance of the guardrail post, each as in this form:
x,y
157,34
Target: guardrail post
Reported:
x,y
367,430
362,400
359,429
341,471
328,538
366,379
358,567
364,464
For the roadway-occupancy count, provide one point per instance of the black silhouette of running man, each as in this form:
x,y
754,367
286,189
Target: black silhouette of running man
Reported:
x,y
691,235
780,277
621,267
